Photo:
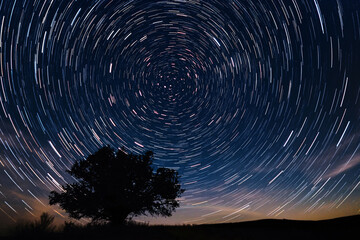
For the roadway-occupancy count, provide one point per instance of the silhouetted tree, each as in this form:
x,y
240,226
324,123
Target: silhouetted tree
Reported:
x,y
115,186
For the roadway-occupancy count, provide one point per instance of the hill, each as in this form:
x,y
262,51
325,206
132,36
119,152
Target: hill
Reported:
x,y
339,228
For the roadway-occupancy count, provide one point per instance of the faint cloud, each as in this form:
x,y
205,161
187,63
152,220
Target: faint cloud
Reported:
x,y
351,163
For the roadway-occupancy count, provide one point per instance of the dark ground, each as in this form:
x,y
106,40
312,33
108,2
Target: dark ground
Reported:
x,y
339,228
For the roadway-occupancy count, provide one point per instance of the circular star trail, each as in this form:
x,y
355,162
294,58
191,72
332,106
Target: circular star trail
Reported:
x,y
255,103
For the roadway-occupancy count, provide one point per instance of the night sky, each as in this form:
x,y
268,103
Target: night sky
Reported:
x,y
255,103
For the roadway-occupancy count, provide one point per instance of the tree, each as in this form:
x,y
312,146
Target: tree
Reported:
x,y
116,186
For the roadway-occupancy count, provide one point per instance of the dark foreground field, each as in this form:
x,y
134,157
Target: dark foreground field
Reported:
x,y
339,228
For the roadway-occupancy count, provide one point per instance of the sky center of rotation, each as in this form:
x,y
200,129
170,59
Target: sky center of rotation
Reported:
x,y
255,103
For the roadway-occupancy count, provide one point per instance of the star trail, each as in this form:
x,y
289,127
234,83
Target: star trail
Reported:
x,y
255,103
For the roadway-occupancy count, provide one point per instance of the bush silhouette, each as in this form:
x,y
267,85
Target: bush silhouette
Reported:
x,y
45,224
116,186
39,227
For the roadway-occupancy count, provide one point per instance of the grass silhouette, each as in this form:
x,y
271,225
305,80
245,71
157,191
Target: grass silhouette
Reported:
x,y
43,226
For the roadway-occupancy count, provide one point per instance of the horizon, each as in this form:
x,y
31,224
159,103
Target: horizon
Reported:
x,y
254,103
59,222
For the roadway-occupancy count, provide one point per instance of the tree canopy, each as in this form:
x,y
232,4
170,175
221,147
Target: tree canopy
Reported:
x,y
114,186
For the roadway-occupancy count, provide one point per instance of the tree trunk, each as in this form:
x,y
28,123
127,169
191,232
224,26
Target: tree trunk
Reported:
x,y
118,219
